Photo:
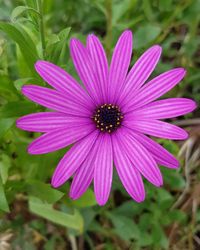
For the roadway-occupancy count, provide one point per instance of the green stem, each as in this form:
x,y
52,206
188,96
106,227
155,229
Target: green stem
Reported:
x,y
41,27
108,38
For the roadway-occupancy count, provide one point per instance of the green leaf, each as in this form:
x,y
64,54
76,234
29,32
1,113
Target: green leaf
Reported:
x,y
5,125
146,34
165,199
165,5
19,10
31,4
171,146
3,202
177,215
129,208
43,191
86,200
63,35
198,216
5,164
20,82
57,47
163,195
145,239
124,227
46,211
7,85
88,216
16,109
143,225
50,243
158,236
148,11
174,179
25,42
119,9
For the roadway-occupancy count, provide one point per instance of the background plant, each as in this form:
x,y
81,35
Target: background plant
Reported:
x,y
35,216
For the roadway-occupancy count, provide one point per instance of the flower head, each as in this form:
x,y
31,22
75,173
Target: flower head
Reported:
x,y
109,119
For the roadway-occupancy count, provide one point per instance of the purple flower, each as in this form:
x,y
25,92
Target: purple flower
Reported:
x,y
108,119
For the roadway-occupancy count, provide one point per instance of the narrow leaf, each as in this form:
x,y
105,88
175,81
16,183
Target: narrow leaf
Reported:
x,y
5,125
3,201
43,191
19,10
46,211
25,42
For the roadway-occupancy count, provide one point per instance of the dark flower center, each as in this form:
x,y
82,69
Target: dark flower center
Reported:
x,y
107,117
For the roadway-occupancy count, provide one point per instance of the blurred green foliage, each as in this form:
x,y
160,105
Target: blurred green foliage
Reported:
x,y
29,207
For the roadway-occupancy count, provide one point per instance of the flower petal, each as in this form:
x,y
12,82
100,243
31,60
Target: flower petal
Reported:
x,y
52,99
84,68
48,121
160,154
156,88
62,81
59,138
157,128
103,169
100,63
73,159
85,174
140,72
163,109
140,157
128,174
119,65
